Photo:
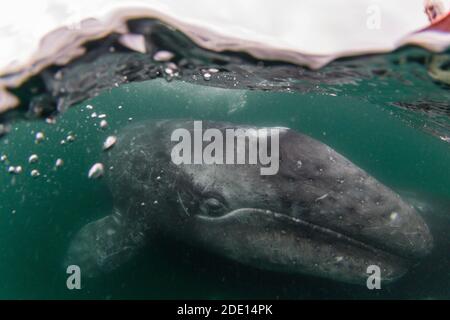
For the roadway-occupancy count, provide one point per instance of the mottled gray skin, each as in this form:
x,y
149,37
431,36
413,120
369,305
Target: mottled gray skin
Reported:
x,y
319,215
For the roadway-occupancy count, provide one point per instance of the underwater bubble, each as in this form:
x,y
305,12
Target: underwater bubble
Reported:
x,y
3,129
35,173
15,169
109,142
103,124
168,71
70,138
3,158
33,158
163,55
39,137
207,76
50,120
96,171
59,162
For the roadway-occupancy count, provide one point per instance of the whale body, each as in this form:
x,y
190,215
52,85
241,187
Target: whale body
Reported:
x,y
320,214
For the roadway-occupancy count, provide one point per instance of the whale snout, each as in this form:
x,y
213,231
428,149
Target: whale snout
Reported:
x,y
320,215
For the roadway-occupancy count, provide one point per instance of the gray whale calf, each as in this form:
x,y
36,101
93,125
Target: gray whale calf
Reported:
x,y
319,214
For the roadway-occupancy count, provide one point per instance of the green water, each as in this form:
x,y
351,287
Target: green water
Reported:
x,y
39,215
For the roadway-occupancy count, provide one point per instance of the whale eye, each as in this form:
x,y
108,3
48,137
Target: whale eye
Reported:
x,y
212,207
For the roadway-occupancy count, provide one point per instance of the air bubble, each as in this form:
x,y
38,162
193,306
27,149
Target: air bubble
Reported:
x,y
33,158
39,137
15,170
59,162
35,173
96,171
163,55
109,142
207,76
70,138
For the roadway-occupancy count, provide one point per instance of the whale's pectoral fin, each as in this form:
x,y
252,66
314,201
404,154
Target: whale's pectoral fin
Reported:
x,y
103,245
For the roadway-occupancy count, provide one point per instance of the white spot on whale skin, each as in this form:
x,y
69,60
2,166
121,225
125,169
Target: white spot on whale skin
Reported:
x,y
322,197
339,259
96,171
393,216
109,142
110,232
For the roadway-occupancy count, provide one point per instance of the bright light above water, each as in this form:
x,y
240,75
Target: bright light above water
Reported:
x,y
324,27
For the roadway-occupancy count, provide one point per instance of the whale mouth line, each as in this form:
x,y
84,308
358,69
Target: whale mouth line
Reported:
x,y
333,234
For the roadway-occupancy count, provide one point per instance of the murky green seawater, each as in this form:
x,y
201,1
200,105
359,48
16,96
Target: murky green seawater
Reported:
x,y
39,216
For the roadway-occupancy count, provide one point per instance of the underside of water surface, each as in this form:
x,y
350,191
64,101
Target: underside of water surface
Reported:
x,y
389,114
